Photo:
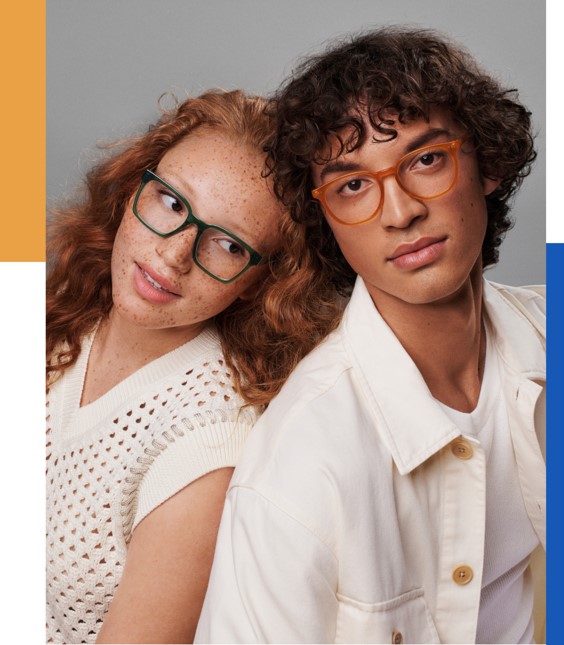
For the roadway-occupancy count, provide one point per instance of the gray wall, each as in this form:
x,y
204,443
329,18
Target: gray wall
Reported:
x,y
108,61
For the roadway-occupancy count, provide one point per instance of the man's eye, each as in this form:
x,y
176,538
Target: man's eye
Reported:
x,y
428,159
352,186
431,159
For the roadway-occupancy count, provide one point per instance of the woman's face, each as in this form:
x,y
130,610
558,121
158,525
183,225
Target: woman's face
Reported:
x,y
155,282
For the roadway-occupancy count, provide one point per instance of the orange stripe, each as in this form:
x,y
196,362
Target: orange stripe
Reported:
x,y
22,158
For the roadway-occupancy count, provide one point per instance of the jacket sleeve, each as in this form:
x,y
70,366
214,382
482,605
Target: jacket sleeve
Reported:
x,y
272,580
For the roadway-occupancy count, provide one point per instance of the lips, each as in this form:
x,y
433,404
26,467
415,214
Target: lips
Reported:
x,y
156,280
404,249
152,286
421,252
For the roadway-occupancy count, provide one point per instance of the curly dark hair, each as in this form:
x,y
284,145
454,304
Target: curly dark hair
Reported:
x,y
406,72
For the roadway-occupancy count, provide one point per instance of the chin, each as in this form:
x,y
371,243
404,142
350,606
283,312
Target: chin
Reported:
x,y
449,292
135,315
430,291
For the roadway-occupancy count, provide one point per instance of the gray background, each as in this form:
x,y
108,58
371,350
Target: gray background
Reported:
x,y
108,61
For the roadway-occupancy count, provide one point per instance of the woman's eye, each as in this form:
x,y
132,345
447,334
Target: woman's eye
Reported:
x,y
230,246
171,202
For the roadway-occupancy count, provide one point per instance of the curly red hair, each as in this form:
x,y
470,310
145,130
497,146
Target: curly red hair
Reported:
x,y
263,339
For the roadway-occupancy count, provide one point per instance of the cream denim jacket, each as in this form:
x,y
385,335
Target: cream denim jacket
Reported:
x,y
357,512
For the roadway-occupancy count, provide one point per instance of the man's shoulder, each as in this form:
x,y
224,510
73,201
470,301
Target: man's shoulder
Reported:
x,y
308,450
308,423
517,316
316,375
524,293
527,302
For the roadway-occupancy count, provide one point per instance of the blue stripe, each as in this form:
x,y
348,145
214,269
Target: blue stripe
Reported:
x,y
555,442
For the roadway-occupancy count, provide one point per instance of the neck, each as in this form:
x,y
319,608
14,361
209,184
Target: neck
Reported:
x,y
446,341
120,349
134,344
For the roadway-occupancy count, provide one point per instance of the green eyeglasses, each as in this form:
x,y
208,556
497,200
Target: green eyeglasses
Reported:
x,y
217,251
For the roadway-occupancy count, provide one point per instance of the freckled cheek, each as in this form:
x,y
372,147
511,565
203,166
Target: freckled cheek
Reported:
x,y
208,300
129,239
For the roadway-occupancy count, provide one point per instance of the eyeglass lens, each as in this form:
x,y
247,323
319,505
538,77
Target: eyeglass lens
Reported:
x,y
216,251
425,174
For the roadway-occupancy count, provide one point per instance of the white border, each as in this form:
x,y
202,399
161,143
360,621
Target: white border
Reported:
x,y
22,475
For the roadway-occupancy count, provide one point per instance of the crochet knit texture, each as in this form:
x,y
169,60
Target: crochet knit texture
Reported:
x,y
111,462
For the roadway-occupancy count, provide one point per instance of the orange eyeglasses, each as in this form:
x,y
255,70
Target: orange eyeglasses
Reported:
x,y
426,173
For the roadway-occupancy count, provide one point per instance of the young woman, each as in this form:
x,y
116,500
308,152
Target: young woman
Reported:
x,y
180,296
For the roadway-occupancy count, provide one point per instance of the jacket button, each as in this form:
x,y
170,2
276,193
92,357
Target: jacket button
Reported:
x,y
462,449
397,638
462,575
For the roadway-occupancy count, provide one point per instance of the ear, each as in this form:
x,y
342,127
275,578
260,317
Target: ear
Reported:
x,y
489,184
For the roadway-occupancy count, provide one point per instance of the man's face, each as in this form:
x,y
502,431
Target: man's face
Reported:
x,y
415,250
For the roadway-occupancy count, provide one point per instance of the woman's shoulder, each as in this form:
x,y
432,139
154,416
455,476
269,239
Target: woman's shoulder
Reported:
x,y
199,423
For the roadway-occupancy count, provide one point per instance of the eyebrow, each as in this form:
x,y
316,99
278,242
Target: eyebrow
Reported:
x,y
340,167
427,137
420,141
173,181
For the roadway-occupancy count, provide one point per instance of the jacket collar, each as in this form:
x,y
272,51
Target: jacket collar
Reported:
x,y
411,422
517,335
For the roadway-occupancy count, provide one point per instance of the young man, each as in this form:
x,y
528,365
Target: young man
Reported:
x,y
394,490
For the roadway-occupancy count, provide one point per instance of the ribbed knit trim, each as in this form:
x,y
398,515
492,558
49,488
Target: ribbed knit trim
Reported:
x,y
86,417
202,443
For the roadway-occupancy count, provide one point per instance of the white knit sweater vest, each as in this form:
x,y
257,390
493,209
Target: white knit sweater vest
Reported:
x,y
111,462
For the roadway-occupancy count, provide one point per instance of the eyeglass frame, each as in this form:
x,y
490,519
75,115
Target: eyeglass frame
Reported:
x,y
452,148
254,258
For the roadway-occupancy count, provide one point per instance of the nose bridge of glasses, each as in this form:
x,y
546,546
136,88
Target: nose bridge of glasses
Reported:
x,y
192,224
178,249
397,207
184,240
387,173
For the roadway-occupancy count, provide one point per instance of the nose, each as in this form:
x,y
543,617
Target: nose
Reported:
x,y
400,209
176,251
